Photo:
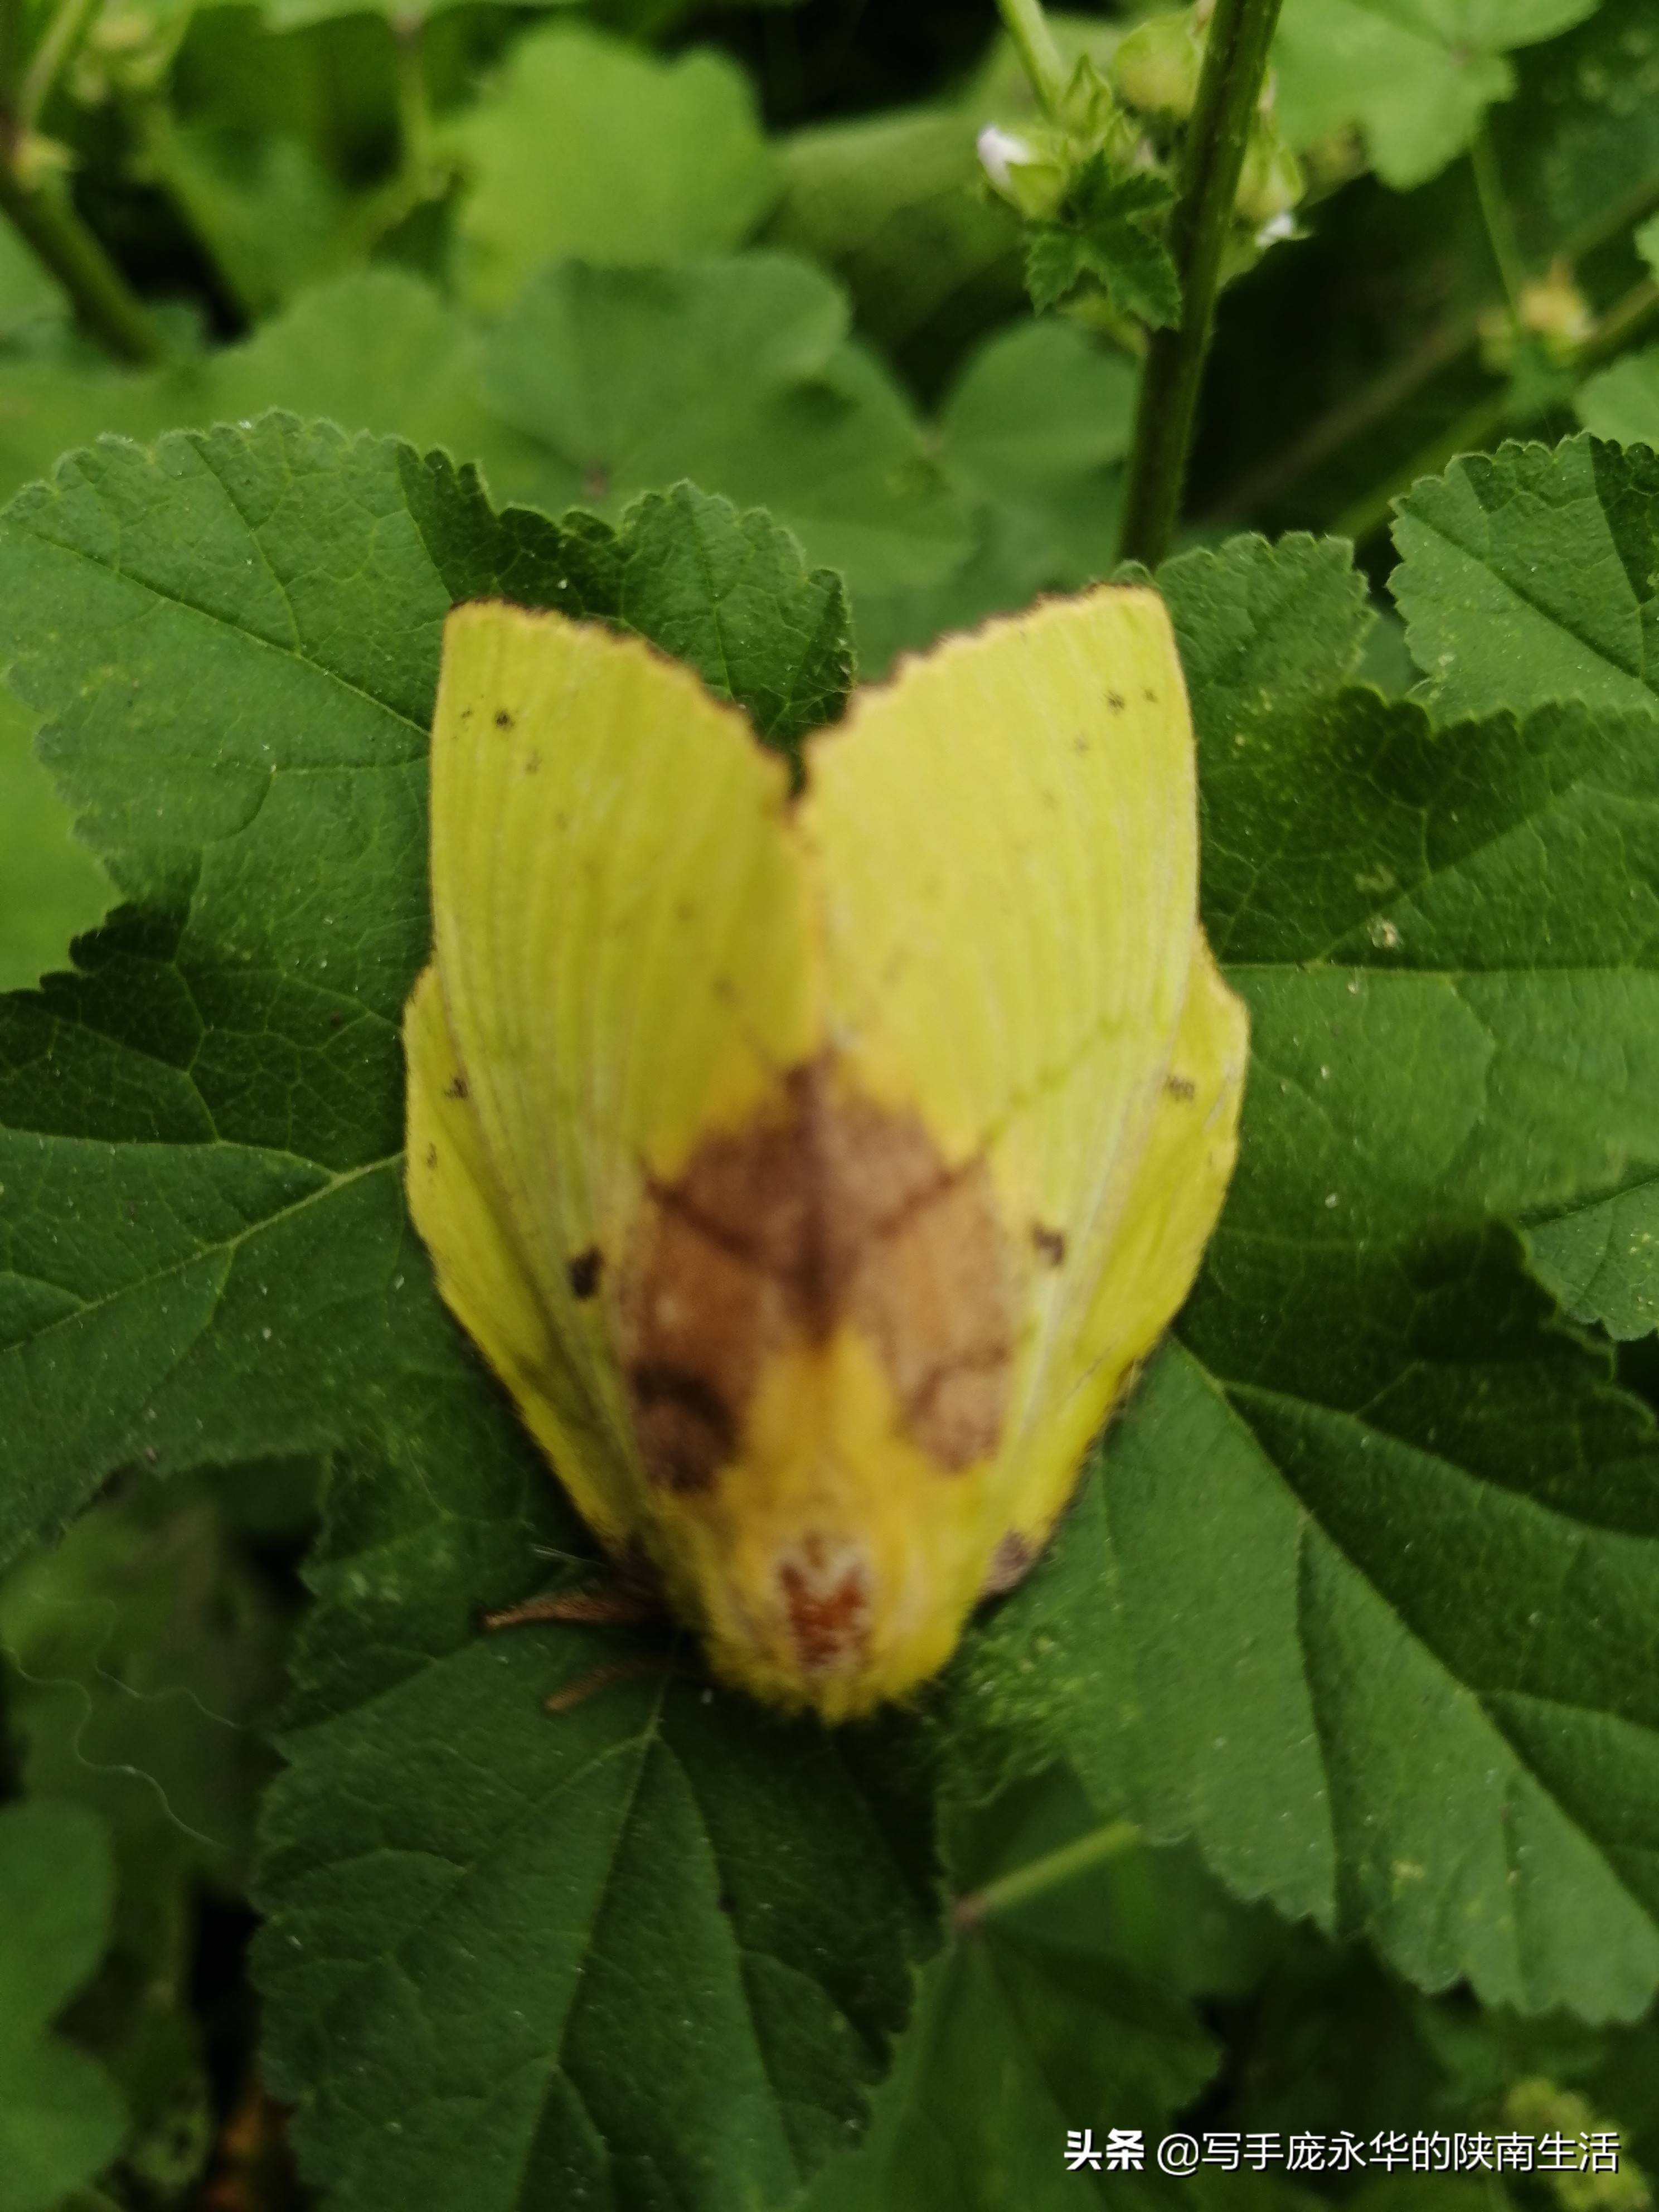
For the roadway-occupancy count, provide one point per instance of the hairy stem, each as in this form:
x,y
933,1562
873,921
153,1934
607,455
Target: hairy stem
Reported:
x,y
1235,62
1039,1876
1028,27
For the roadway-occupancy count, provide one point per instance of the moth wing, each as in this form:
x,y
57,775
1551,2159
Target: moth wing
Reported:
x,y
1005,838
455,1201
618,967
1172,1207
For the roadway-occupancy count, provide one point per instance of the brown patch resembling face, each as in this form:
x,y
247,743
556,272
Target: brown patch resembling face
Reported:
x,y
827,1596
831,1210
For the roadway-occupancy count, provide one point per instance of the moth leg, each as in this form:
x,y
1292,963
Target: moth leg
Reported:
x,y
619,1607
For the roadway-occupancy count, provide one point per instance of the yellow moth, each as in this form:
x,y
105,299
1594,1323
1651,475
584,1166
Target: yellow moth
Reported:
x,y
814,1167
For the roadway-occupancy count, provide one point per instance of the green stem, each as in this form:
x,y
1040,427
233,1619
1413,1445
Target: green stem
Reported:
x,y
1037,1876
1039,57
422,174
62,35
1495,214
1235,62
415,132
104,304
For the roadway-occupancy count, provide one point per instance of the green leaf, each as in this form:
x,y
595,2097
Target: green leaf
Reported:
x,y
737,373
1578,146
1415,76
1279,1559
1621,403
1529,574
646,1949
1033,432
589,150
890,204
30,299
599,385
1042,2017
286,15
1478,899
60,2119
375,350
273,216
139,1658
1104,231
51,887
1374,1478
1016,2041
235,644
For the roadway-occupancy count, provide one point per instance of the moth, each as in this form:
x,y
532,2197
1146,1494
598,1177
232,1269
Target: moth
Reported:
x,y
815,1165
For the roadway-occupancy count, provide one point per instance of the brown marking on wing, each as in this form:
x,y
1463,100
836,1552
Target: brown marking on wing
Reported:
x,y
828,1208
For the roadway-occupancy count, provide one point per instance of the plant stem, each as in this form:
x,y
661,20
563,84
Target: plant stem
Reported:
x,y
63,35
414,102
422,174
1039,1876
104,304
1495,214
1235,62
1028,27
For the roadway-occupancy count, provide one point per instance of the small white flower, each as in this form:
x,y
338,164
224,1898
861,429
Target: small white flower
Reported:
x,y
1000,151
1276,227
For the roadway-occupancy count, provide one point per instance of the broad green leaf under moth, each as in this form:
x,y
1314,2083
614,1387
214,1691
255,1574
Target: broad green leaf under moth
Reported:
x,y
815,1165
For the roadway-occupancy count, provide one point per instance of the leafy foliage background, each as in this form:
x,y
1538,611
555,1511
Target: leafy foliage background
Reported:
x,y
1312,1782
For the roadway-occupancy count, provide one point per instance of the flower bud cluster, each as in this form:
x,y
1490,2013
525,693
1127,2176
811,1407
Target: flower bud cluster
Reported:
x,y
1551,313
1132,114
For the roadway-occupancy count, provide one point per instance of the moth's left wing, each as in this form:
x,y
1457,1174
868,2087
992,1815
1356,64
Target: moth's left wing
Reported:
x,y
618,970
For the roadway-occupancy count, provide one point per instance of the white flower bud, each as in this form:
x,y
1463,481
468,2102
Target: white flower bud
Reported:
x,y
998,150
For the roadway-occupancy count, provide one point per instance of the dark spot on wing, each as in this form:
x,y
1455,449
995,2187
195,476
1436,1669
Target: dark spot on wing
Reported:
x,y
1011,1562
1050,1244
